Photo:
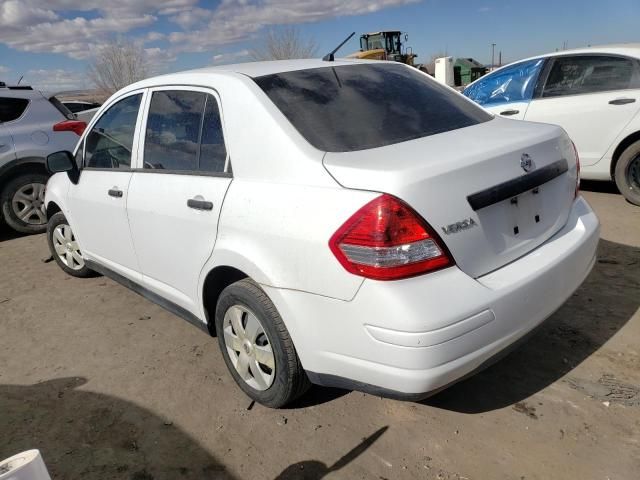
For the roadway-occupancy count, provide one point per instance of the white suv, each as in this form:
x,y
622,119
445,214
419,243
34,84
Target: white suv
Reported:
x,y
347,223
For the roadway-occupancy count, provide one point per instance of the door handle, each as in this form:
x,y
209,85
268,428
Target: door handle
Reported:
x,y
115,192
508,113
622,101
199,204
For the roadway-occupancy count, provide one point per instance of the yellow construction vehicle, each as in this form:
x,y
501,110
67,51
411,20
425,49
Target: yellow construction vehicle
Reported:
x,y
385,46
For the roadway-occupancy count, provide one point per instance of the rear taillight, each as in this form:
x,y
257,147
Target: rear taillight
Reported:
x,y
75,126
577,192
387,240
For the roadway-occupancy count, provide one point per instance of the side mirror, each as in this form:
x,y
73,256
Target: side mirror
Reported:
x,y
63,162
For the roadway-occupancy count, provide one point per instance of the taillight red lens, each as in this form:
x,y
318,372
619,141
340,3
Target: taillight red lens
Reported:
x,y
575,149
387,240
75,126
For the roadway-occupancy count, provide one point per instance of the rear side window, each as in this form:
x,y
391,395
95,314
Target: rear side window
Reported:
x,y
213,153
184,133
110,141
515,83
588,74
12,108
173,130
356,107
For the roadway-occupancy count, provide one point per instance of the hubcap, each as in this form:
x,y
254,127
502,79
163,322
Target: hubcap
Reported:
x,y
249,347
66,247
633,173
28,204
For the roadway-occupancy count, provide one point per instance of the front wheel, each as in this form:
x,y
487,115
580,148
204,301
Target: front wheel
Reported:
x,y
627,173
256,346
64,247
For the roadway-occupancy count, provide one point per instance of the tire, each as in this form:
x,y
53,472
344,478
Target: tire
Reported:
x,y
23,203
64,247
627,173
245,302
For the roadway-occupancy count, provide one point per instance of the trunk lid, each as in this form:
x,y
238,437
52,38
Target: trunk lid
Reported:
x,y
470,186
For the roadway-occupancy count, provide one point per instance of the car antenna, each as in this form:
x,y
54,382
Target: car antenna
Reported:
x,y
329,57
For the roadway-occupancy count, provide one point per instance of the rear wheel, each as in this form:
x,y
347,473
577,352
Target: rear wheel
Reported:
x,y
23,203
256,346
64,247
627,173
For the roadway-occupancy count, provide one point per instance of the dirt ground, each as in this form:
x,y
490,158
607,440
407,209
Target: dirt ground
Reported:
x,y
110,386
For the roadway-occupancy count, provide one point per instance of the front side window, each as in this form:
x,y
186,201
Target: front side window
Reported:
x,y
184,133
510,84
12,108
356,107
588,74
110,141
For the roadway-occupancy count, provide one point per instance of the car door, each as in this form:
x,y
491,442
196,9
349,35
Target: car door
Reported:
x,y
507,92
11,109
7,152
175,199
593,97
97,203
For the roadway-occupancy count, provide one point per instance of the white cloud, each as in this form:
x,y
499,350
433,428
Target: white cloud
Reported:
x,y
230,57
56,80
190,18
234,21
34,25
4,69
39,25
154,37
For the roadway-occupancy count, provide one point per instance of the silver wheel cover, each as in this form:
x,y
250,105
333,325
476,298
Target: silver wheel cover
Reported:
x,y
28,204
66,247
249,347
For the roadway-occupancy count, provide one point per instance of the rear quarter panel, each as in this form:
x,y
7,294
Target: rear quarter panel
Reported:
x,y
278,234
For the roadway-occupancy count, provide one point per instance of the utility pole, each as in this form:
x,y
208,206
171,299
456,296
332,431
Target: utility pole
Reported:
x,y
493,50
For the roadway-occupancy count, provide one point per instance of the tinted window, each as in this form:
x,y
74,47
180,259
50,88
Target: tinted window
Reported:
x,y
588,74
515,83
213,154
354,107
110,141
173,130
12,108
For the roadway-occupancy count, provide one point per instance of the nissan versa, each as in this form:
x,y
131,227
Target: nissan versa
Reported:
x,y
342,223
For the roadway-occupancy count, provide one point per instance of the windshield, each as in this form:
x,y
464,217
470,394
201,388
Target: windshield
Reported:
x,y
356,107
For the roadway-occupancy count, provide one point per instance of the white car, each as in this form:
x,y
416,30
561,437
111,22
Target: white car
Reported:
x,y
344,223
593,93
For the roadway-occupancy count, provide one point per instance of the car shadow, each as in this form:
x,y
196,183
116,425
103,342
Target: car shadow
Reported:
x,y
88,435
316,470
599,186
316,395
8,233
605,302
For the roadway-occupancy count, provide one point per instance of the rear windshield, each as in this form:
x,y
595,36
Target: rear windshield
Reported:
x,y
356,107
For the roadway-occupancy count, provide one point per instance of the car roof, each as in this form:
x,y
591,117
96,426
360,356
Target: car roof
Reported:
x,y
258,69
631,49
20,93
249,69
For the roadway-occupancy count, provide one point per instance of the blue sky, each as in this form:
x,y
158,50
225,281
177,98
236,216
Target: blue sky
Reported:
x,y
51,41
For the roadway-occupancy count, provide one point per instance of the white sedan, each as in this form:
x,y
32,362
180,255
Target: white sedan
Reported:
x,y
344,223
593,93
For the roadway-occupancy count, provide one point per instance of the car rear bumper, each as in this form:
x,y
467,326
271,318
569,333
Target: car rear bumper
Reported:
x,y
418,335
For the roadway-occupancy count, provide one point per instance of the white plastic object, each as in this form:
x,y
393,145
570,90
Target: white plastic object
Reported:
x,y
27,465
444,70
